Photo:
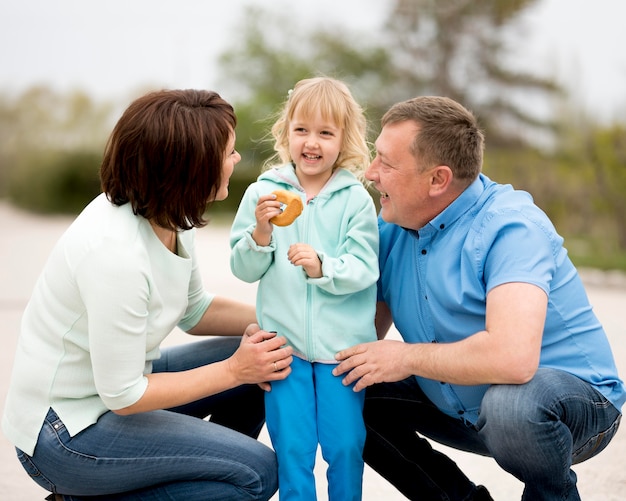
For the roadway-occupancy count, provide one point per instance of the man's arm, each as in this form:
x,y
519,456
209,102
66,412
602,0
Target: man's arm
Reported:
x,y
506,352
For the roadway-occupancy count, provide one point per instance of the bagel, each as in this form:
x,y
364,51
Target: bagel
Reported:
x,y
290,205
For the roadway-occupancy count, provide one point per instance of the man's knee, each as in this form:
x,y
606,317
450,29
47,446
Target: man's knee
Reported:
x,y
510,414
520,403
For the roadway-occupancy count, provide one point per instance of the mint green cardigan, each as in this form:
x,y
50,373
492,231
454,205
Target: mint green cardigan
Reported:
x,y
108,296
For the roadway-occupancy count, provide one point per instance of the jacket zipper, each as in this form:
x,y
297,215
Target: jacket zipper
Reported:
x,y
308,333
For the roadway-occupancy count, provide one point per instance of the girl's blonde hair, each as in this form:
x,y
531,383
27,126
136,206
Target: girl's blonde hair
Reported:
x,y
335,103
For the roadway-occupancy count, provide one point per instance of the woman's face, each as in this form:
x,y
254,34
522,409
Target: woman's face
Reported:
x,y
231,158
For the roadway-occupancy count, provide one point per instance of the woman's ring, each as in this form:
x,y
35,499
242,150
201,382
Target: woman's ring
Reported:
x,y
275,367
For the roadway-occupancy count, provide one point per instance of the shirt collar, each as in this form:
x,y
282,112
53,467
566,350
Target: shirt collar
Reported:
x,y
460,206
455,210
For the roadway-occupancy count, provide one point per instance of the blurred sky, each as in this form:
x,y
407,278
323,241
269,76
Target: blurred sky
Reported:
x,y
111,48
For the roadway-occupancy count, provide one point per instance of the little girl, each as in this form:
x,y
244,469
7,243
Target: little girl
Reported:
x,y
317,282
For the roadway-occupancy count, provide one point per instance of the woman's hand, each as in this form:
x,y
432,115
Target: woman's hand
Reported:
x,y
262,357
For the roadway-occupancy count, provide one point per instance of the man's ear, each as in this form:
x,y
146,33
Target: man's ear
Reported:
x,y
440,180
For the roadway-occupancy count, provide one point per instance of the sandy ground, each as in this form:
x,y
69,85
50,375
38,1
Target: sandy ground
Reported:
x,y
25,241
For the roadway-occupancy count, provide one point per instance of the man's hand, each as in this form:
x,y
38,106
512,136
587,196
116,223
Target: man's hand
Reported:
x,y
371,363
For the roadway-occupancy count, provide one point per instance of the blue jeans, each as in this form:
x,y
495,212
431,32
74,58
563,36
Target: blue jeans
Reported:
x,y
168,454
535,431
311,406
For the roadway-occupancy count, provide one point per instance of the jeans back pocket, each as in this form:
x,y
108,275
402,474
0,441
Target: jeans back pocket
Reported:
x,y
596,443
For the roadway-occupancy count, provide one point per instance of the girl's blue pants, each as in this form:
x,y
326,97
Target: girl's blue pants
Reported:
x,y
312,406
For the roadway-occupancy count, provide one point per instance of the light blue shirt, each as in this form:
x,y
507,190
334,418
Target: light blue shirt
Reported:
x,y
435,282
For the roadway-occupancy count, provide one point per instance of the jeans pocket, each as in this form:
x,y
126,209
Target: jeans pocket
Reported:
x,y
596,444
33,471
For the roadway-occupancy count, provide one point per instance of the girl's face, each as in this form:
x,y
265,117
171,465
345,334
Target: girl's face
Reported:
x,y
231,158
314,146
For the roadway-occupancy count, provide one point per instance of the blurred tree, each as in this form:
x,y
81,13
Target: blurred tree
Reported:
x,y
265,64
57,182
447,47
605,149
50,147
41,119
457,48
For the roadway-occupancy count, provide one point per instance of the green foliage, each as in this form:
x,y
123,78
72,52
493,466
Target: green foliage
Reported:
x,y
441,46
55,182
437,48
606,153
587,257
41,118
446,47
565,185
37,126
264,64
424,47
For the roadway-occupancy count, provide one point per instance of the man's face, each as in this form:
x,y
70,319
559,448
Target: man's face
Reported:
x,y
397,175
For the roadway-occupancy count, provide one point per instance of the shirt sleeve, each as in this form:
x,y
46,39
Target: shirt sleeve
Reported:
x,y
518,247
248,261
198,298
114,286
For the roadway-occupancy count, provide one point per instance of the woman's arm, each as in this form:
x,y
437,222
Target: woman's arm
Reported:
x,y
225,317
262,357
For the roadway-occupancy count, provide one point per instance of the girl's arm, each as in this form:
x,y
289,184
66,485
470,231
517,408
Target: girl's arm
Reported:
x,y
356,266
250,238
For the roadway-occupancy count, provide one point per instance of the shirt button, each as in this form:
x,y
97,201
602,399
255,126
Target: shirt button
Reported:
x,y
423,252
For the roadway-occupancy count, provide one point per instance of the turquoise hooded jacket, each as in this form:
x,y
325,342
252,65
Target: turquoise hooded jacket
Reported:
x,y
318,316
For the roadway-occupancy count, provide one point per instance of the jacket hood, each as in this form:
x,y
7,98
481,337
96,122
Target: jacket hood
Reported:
x,y
286,175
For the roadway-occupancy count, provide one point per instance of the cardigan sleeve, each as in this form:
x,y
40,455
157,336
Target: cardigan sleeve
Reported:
x,y
248,261
355,267
115,289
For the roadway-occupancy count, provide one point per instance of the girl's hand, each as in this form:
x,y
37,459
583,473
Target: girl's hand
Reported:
x,y
304,255
266,208
262,357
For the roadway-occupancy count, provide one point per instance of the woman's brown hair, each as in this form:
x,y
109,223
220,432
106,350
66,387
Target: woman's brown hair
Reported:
x,y
165,156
